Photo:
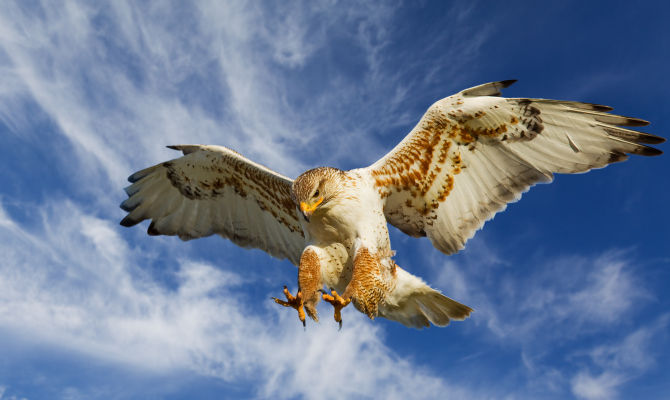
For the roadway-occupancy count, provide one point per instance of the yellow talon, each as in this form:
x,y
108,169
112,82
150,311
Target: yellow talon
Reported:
x,y
293,302
338,304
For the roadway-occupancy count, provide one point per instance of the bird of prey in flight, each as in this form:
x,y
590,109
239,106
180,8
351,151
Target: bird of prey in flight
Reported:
x,y
468,156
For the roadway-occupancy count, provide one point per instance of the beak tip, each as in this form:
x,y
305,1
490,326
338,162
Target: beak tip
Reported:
x,y
308,209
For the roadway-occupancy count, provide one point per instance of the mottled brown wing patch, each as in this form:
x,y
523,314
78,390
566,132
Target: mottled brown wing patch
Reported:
x,y
472,153
212,189
519,121
270,193
420,172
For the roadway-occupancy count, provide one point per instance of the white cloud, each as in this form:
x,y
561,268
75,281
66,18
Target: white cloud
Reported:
x,y
609,293
618,362
597,387
121,80
3,390
546,308
74,283
115,79
557,298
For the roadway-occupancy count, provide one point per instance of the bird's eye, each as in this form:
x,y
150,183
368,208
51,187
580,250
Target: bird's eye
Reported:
x,y
316,193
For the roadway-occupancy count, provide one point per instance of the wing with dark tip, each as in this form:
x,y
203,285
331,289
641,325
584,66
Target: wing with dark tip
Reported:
x,y
474,152
214,190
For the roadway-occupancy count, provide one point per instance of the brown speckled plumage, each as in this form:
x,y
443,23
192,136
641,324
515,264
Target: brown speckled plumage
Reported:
x,y
303,187
370,283
468,157
309,281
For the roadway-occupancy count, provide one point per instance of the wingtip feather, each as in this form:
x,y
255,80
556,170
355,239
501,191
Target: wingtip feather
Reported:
x,y
488,89
185,148
128,222
600,107
508,82
138,175
635,122
650,139
649,151
125,206
151,230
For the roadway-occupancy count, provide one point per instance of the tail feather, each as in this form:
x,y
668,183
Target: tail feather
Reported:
x,y
415,304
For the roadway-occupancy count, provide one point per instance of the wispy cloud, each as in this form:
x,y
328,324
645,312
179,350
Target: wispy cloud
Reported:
x,y
595,387
121,79
72,282
118,81
580,294
6,394
614,364
546,307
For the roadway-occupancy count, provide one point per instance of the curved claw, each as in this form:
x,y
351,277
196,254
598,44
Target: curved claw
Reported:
x,y
293,302
338,303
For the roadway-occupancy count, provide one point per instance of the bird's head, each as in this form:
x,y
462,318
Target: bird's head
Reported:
x,y
314,189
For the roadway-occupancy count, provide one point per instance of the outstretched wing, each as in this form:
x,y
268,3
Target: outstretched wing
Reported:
x,y
474,152
212,189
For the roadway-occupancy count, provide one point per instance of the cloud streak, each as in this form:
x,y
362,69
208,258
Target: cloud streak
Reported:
x,y
547,308
614,364
72,282
118,81
101,88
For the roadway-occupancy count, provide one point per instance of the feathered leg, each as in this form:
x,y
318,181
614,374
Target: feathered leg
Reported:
x,y
309,281
309,284
372,279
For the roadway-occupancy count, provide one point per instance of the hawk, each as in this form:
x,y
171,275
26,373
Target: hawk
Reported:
x,y
469,155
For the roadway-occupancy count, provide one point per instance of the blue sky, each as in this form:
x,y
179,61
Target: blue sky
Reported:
x,y
570,285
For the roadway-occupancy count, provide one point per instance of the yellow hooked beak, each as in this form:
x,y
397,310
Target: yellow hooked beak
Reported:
x,y
308,209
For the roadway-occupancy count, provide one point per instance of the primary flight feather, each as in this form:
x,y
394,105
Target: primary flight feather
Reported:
x,y
470,155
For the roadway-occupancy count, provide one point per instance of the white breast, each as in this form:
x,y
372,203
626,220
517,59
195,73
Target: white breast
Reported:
x,y
353,219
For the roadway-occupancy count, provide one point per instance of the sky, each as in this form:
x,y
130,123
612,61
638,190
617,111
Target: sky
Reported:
x,y
570,286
